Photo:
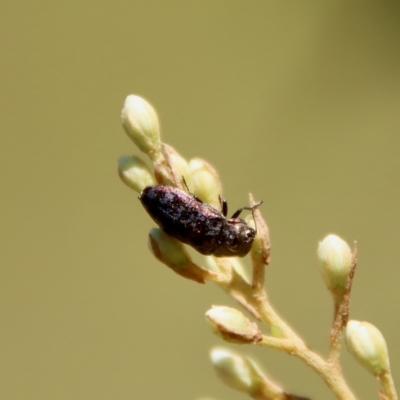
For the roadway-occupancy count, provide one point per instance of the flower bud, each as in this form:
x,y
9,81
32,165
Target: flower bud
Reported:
x,y
232,325
172,169
134,172
205,182
211,264
276,331
173,254
335,258
367,344
240,268
141,124
225,265
242,373
236,371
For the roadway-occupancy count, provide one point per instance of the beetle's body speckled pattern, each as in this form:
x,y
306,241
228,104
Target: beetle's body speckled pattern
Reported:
x,y
197,224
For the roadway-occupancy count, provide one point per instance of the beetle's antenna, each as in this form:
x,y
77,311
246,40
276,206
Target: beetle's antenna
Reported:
x,y
237,213
185,184
188,190
252,211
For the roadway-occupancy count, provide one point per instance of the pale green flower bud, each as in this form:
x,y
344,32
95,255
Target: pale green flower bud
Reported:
x,y
232,325
173,169
240,268
214,264
140,122
173,254
180,167
242,373
335,258
236,371
367,344
211,264
134,172
205,182
276,331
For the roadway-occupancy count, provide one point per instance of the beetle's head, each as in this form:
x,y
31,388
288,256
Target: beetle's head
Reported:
x,y
236,239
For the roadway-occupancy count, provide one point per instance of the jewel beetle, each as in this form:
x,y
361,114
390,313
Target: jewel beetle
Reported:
x,y
186,218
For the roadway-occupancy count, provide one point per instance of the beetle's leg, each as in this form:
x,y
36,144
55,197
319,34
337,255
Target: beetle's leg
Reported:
x,y
224,206
187,188
237,213
185,184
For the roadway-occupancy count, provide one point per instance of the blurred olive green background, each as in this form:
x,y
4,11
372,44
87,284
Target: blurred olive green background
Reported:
x,y
297,102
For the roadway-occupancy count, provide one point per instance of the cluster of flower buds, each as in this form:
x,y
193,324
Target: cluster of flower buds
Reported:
x,y
140,122
364,341
337,261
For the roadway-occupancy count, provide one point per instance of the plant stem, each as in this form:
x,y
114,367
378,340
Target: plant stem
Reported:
x,y
329,372
255,300
387,383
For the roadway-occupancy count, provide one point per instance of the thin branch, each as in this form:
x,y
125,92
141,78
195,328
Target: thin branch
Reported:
x,y
388,389
261,249
341,314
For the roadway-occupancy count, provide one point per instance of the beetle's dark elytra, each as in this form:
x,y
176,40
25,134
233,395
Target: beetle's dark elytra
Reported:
x,y
186,218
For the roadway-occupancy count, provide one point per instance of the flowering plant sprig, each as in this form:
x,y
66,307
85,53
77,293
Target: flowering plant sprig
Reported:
x,y
338,263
